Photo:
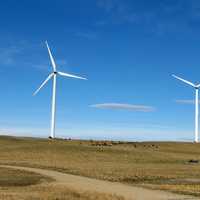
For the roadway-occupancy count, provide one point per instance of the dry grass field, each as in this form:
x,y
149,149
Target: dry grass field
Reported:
x,y
49,192
25,185
158,165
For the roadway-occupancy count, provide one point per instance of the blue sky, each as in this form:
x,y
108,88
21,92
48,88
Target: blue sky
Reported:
x,y
127,49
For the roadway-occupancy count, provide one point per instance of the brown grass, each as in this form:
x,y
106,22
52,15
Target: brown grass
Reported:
x,y
51,192
161,164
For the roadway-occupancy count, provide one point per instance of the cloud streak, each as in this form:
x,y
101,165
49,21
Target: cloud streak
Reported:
x,y
182,101
119,106
166,17
28,55
88,35
8,55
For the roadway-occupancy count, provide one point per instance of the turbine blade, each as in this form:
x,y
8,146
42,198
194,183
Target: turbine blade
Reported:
x,y
185,81
51,57
71,75
47,79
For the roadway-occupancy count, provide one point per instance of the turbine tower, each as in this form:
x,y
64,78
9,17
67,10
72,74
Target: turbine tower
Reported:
x,y
54,75
196,87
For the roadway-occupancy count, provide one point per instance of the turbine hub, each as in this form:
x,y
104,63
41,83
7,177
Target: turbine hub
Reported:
x,y
55,72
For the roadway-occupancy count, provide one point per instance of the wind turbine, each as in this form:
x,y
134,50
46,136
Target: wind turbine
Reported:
x,y
196,87
54,75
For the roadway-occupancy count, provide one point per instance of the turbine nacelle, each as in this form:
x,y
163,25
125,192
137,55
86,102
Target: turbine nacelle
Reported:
x,y
196,87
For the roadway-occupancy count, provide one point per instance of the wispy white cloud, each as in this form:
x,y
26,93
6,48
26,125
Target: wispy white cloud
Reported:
x,y
166,17
16,53
119,106
45,65
8,54
86,34
28,55
184,101
117,12
108,5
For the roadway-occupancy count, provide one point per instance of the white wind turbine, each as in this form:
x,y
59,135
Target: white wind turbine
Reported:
x,y
54,76
196,87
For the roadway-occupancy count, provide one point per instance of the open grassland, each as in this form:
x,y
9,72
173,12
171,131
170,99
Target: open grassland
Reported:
x,y
158,165
51,192
24,185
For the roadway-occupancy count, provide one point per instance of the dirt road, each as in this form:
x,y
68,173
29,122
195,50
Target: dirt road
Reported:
x,y
89,184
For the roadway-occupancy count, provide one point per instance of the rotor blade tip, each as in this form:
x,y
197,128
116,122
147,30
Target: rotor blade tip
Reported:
x,y
174,76
46,43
